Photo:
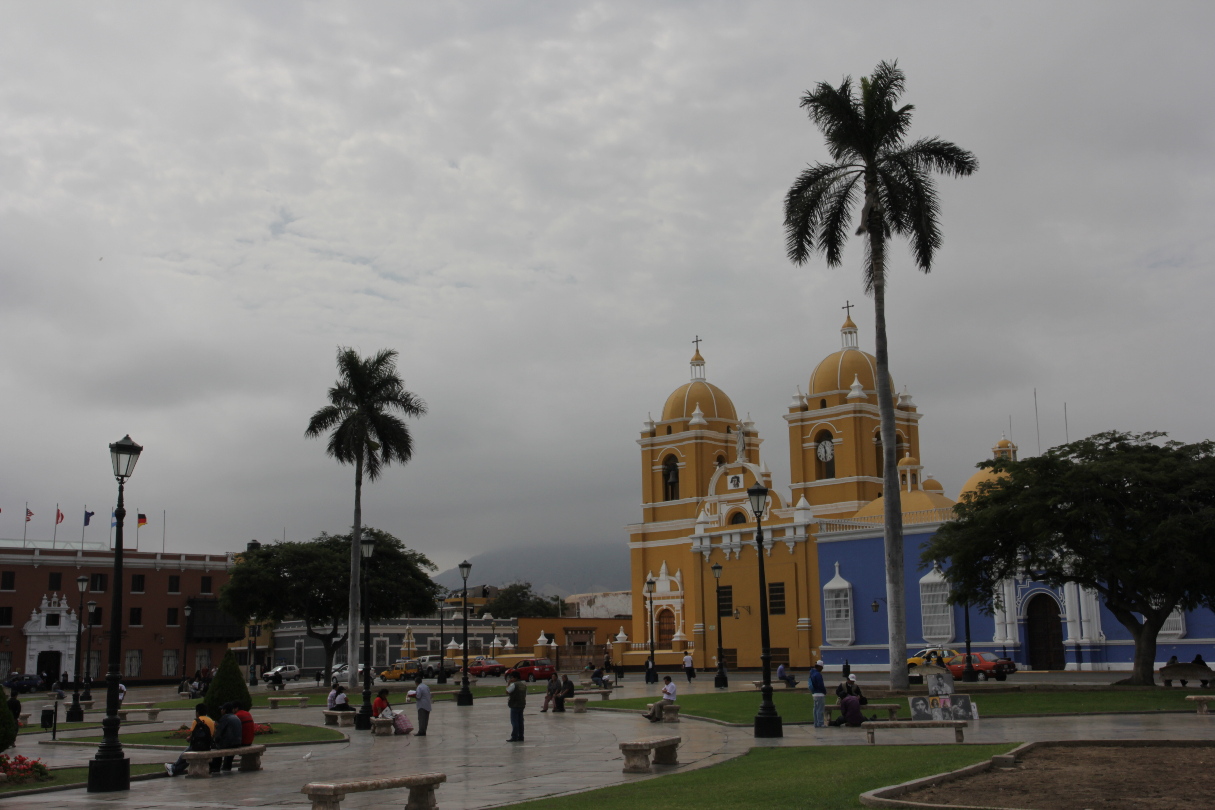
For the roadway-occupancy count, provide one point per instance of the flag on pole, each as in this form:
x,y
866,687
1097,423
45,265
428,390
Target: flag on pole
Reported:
x,y
58,516
28,514
87,515
143,519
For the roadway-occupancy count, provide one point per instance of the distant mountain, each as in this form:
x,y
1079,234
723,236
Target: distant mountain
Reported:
x,y
552,570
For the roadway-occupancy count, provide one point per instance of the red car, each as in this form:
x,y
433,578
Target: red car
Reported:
x,y
486,666
986,664
533,669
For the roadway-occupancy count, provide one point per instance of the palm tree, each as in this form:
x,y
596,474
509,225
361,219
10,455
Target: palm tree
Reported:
x,y
367,434
866,136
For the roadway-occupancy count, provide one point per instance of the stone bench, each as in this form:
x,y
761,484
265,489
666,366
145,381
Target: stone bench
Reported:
x,y
1185,673
24,718
891,709
381,726
129,705
1202,701
670,711
301,700
604,694
637,753
579,704
87,705
871,725
152,713
183,694
422,786
280,687
199,762
339,718
787,685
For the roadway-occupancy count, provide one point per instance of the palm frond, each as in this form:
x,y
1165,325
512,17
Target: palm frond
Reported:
x,y
941,156
806,206
837,113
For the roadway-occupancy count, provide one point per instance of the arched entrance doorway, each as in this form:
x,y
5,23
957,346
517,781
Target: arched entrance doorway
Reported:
x,y
1044,633
666,629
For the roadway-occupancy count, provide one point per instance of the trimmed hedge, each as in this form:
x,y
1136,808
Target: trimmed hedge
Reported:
x,y
228,685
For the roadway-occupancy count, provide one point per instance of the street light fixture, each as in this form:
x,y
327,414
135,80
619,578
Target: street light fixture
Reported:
x,y
362,721
651,674
75,713
767,721
442,678
185,641
109,770
255,630
88,656
465,697
720,681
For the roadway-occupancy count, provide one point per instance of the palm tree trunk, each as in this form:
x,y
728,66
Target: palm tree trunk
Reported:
x,y
893,512
356,560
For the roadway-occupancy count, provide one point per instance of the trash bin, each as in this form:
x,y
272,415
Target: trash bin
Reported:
x,y
48,716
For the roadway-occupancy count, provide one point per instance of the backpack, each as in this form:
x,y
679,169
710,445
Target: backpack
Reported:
x,y
200,737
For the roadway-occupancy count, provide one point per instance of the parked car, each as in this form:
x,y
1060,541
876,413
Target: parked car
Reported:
x,y
430,664
289,672
401,669
930,654
17,683
533,669
486,667
988,665
340,673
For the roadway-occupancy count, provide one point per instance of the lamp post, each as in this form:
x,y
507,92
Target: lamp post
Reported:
x,y
465,696
185,641
442,664
651,674
363,720
88,656
74,713
969,674
493,644
720,681
255,630
109,770
767,721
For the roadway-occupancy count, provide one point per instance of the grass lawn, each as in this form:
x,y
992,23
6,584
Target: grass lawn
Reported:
x,y
283,733
74,776
34,728
825,778
740,707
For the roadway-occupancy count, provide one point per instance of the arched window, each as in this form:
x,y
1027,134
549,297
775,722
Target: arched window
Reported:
x,y
670,479
837,611
666,629
822,403
668,430
737,518
721,461
824,455
936,614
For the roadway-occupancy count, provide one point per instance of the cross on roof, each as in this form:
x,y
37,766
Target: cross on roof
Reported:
x,y
848,305
697,342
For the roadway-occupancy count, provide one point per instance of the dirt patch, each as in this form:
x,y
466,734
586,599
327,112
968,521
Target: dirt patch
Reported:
x,y
1075,778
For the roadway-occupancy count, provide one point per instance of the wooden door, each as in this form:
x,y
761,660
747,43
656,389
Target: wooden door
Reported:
x,y
1044,633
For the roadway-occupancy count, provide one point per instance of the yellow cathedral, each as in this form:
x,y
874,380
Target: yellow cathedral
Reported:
x,y
697,463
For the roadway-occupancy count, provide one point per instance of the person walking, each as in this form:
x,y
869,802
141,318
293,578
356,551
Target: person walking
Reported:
x,y
422,696
818,692
550,691
689,666
516,699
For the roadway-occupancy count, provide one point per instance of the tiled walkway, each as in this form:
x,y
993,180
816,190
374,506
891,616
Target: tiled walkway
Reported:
x,y
563,753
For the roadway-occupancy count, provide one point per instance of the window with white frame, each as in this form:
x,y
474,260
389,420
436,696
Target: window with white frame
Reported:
x,y
1174,625
6,663
168,664
202,660
133,664
837,611
936,614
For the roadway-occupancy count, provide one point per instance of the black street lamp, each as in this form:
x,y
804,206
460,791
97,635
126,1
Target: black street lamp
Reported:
x,y
493,644
969,674
363,720
465,696
75,713
720,681
442,678
767,721
185,641
651,675
88,656
255,630
109,770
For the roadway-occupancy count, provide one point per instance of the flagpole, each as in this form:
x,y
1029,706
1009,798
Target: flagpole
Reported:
x,y
25,526
55,533
82,525
138,522
164,528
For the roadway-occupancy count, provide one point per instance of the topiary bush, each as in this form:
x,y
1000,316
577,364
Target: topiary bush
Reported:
x,y
8,724
228,685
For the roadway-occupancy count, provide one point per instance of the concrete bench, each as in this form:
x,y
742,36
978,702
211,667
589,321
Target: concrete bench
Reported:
x,y
1202,701
871,725
129,705
422,786
670,711
279,687
24,718
300,700
381,726
152,713
760,684
339,718
579,704
604,694
1184,673
183,694
637,753
199,762
891,709
87,705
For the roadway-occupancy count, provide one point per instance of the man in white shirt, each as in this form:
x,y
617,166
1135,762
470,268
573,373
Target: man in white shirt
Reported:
x,y
668,697
422,696
689,667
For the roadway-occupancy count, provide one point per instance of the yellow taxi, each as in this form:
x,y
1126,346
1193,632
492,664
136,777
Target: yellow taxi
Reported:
x,y
929,654
401,669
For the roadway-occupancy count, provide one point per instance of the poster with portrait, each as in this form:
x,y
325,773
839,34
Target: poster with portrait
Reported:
x,y
942,707
939,681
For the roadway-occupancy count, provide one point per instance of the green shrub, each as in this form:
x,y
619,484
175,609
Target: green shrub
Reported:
x,y
8,724
228,685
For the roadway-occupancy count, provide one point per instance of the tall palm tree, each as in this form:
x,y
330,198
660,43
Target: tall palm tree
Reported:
x,y
873,162
367,434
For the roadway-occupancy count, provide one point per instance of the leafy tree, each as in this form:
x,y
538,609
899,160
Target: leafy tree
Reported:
x,y
1123,514
517,600
8,724
872,162
310,582
368,434
228,686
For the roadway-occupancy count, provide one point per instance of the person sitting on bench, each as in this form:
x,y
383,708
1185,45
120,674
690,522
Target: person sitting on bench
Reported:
x,y
783,675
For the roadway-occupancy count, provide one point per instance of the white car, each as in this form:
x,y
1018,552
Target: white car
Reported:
x,y
290,672
340,673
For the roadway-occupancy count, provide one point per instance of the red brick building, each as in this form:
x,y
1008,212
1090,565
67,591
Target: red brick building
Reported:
x,y
40,600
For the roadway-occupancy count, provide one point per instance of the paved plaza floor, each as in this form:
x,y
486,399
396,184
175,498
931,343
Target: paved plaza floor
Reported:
x,y
563,753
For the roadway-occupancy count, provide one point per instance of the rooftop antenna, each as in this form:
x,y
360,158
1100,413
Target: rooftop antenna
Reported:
x,y
1037,427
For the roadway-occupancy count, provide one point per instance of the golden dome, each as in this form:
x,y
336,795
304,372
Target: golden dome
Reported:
x,y
917,500
713,402
971,487
1004,443
909,461
836,371
932,485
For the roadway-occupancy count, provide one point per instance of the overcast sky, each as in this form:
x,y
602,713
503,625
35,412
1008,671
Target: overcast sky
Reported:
x,y
539,205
